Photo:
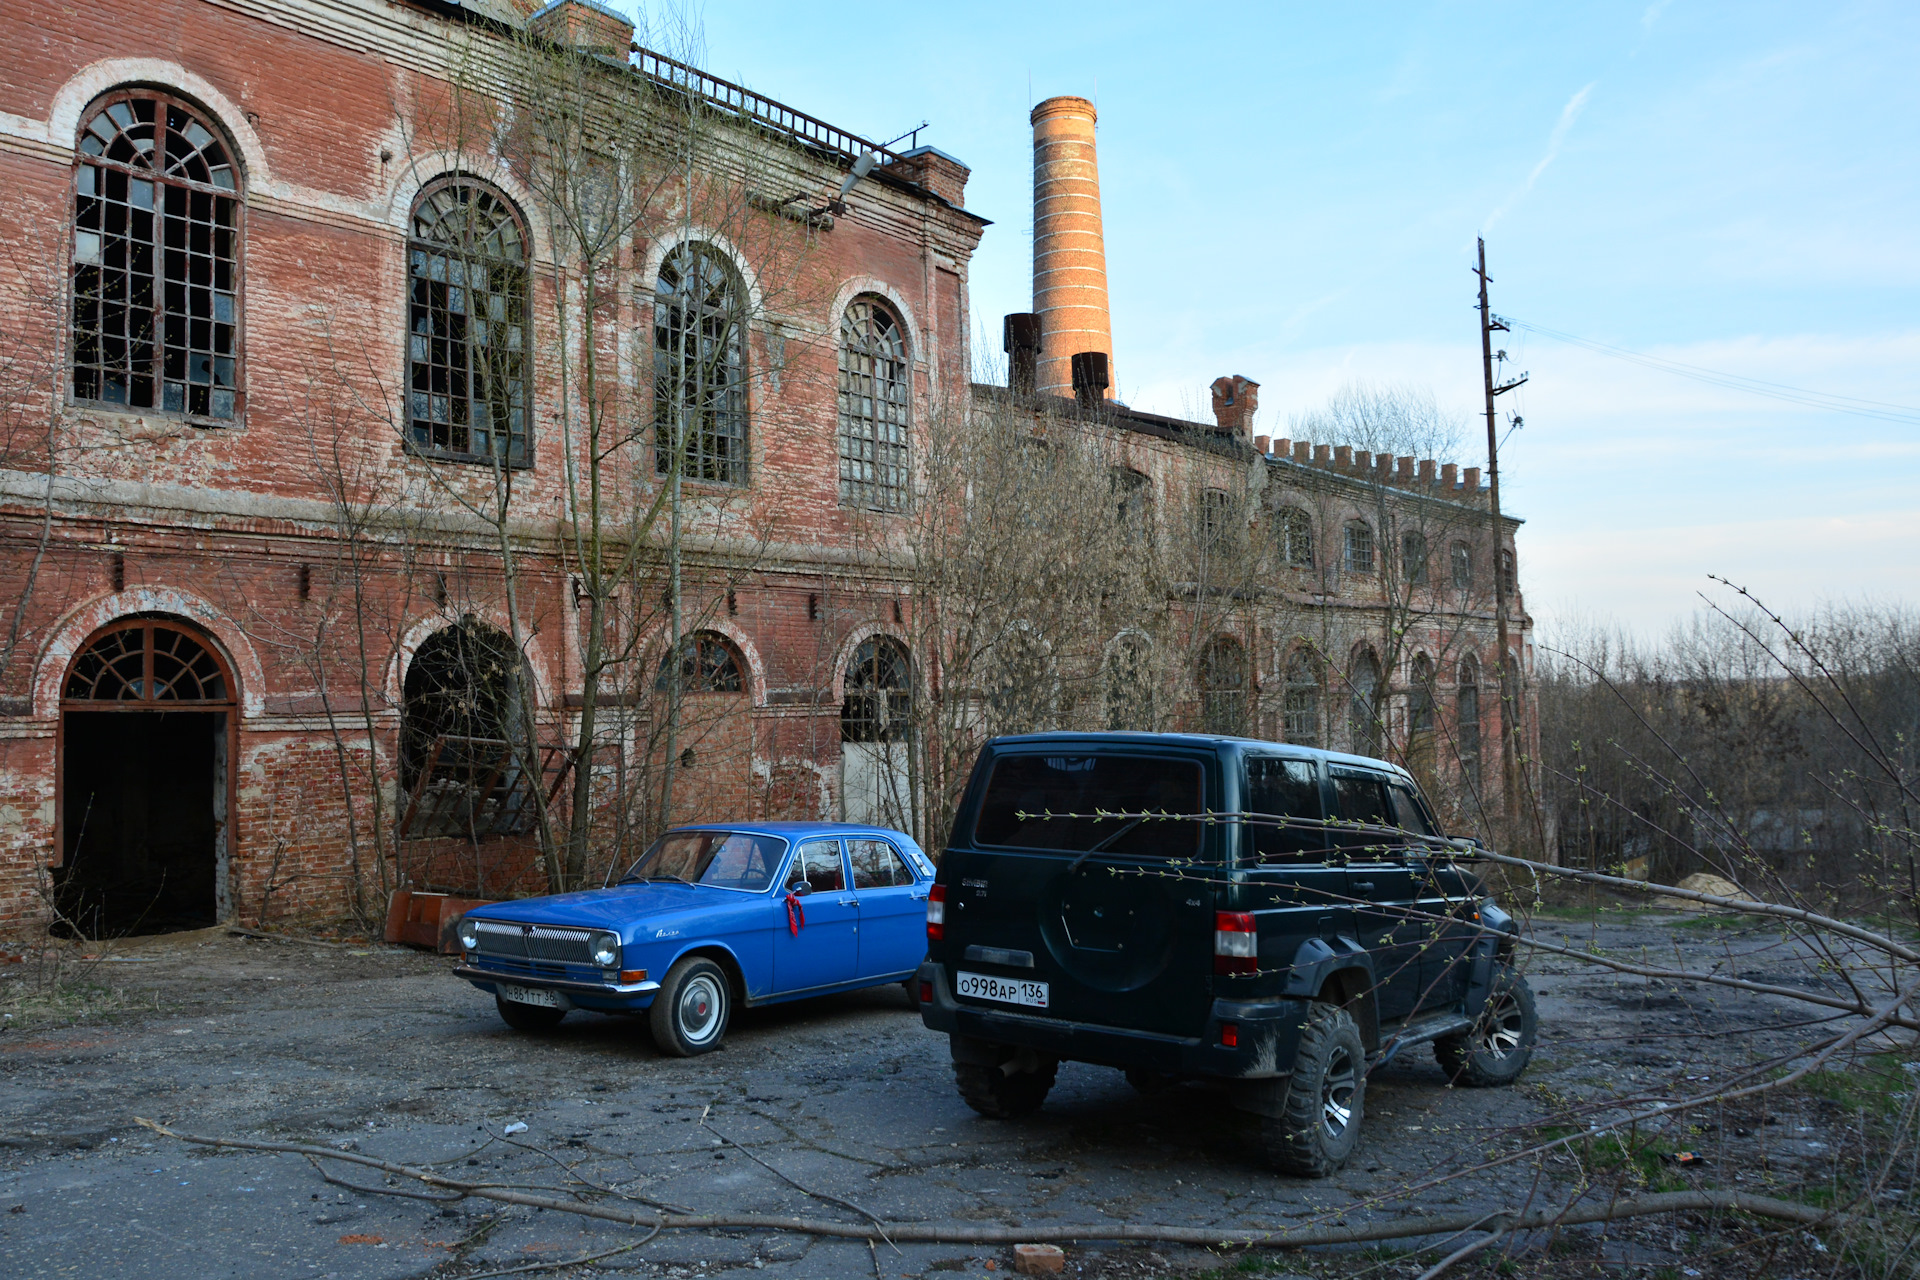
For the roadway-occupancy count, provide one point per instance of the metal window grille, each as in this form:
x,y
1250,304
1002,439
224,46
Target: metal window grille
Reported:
x,y
874,382
156,262
879,693
1301,715
1359,547
467,326
1294,528
699,368
1223,687
707,664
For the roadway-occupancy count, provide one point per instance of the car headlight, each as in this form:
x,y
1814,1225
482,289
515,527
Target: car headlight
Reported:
x,y
606,949
470,935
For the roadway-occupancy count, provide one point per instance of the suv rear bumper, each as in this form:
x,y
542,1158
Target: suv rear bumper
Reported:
x,y
1266,1035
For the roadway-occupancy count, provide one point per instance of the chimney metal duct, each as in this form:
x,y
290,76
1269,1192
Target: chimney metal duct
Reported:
x,y
1020,339
1089,377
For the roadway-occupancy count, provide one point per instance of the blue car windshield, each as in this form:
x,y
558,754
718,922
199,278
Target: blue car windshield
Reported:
x,y
723,859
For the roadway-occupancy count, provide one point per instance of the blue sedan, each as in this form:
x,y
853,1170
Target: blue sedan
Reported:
x,y
710,917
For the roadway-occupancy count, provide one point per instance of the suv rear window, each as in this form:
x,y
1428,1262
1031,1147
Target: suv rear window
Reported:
x,y
1023,790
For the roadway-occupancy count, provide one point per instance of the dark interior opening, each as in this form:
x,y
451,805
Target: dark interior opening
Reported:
x,y
139,792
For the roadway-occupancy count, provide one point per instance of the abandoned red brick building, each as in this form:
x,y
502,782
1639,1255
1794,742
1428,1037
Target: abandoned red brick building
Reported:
x,y
355,467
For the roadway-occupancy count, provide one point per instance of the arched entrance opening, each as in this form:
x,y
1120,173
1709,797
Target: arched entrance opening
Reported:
x,y
147,719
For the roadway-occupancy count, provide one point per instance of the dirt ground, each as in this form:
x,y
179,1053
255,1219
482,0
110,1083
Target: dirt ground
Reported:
x,y
848,1099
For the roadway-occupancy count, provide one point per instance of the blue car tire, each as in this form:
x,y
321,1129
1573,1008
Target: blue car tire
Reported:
x,y
689,1016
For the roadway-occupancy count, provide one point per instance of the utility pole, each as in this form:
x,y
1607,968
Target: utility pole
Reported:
x,y
1509,683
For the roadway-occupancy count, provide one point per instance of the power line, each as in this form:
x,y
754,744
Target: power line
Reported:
x,y
1736,382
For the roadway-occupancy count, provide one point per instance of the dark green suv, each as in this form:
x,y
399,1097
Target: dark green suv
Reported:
x,y
1273,918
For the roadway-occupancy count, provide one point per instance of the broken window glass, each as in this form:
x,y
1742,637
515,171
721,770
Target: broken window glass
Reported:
x,y
467,326
1462,566
1413,558
699,367
874,382
1294,528
879,693
156,263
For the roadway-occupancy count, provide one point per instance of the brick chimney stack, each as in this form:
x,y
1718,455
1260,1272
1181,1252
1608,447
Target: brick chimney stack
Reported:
x,y
1069,247
1234,400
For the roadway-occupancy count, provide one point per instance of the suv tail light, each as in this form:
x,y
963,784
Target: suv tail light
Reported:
x,y
1236,944
937,913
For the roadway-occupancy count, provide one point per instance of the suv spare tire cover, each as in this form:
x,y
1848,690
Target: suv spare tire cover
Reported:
x,y
1111,927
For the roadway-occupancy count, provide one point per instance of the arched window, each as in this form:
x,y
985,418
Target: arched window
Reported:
x,y
464,699
1363,706
875,378
1467,721
156,261
467,325
878,706
1359,549
1129,685
1462,567
699,367
707,664
1302,709
1294,529
1223,687
147,661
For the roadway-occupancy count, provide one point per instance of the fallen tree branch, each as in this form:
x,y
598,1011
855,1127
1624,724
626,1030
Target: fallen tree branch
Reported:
x,y
925,1233
1465,1251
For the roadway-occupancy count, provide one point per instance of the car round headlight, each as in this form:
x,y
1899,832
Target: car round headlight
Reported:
x,y
606,950
470,935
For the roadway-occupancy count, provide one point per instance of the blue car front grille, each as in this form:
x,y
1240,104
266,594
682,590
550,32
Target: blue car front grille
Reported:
x,y
551,944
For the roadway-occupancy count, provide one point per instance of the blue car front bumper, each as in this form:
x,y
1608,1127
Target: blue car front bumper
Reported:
x,y
602,997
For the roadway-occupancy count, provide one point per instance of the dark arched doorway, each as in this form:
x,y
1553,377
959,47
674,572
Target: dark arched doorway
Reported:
x,y
147,717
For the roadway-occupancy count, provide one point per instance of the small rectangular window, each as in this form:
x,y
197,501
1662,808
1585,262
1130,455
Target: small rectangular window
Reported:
x,y
1026,794
1462,566
817,865
1288,790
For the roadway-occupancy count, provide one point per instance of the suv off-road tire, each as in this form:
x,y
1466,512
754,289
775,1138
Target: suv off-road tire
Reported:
x,y
1498,1048
992,1092
689,1015
1320,1122
528,1017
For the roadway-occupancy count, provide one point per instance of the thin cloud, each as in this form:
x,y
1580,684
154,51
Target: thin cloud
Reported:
x,y
1568,114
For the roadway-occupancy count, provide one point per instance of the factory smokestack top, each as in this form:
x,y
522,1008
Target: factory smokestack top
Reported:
x,y
1069,247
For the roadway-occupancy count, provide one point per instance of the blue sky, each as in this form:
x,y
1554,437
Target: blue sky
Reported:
x,y
1292,193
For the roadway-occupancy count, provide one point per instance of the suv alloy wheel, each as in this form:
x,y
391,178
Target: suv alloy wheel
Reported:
x,y
1320,1121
